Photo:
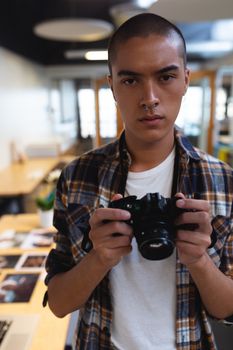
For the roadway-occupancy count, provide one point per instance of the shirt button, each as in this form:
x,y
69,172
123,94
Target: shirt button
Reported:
x,y
106,331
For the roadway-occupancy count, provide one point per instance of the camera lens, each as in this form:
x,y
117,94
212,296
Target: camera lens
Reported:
x,y
157,243
157,249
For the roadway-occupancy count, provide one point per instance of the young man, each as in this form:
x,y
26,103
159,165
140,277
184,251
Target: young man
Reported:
x,y
128,302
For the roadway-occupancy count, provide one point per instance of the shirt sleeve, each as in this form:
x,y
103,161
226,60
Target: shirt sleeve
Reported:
x,y
227,262
71,219
60,259
222,250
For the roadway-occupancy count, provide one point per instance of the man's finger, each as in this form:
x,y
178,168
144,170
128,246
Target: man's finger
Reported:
x,y
108,214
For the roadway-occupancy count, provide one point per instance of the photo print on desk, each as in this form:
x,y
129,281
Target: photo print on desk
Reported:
x,y
8,261
41,238
17,287
31,261
10,238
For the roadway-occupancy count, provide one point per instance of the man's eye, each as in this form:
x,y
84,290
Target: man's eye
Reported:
x,y
166,77
129,81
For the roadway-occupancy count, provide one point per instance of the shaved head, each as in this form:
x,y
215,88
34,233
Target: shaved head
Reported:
x,y
143,25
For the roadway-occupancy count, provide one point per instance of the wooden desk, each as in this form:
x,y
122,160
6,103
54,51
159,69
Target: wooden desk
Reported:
x,y
21,179
51,331
21,222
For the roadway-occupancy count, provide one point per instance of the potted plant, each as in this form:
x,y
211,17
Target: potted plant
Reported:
x,y
45,209
46,203
45,199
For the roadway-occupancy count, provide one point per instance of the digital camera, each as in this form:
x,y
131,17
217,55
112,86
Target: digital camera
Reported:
x,y
152,219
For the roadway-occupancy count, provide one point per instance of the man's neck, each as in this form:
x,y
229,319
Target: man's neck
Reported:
x,y
148,156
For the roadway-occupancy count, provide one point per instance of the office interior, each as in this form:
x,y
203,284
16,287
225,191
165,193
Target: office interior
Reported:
x,y
55,105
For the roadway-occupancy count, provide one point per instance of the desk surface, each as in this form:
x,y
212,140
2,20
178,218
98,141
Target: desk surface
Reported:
x,y
51,332
23,178
22,222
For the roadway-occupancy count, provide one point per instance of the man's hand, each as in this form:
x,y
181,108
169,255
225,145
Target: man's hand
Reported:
x,y
192,244
110,235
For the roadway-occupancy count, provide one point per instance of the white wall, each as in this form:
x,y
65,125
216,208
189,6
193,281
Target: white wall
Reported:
x,y
23,103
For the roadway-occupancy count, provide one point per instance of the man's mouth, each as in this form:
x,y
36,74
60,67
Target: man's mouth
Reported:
x,y
151,118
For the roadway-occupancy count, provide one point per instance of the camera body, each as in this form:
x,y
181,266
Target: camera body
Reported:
x,y
152,219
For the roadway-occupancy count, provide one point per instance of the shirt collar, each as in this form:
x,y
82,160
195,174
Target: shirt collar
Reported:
x,y
185,145
182,141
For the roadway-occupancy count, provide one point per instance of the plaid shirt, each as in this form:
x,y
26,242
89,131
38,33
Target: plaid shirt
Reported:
x,y
89,182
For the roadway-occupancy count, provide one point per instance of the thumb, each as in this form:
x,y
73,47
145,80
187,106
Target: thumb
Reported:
x,y
117,196
180,195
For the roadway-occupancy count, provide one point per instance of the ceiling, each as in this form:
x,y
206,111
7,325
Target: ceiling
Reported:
x,y
194,17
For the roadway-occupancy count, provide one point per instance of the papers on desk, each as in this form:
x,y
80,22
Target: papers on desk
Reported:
x,y
26,261
17,287
17,330
36,174
31,261
40,238
9,238
9,261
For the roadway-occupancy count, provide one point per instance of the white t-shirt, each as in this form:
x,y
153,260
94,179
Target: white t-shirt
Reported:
x,y
144,291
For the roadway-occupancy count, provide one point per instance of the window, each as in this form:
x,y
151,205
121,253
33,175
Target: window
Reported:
x,y
221,100
108,119
86,101
190,114
108,125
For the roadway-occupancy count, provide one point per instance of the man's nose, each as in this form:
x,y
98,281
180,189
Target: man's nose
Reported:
x,y
149,97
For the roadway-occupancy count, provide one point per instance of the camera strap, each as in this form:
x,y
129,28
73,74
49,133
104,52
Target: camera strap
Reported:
x,y
175,172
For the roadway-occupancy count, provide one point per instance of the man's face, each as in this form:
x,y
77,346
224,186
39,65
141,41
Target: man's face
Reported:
x,y
148,82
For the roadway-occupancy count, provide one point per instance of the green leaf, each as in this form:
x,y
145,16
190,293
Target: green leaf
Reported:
x,y
46,203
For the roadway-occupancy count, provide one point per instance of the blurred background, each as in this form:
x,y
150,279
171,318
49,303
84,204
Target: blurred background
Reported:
x,y
55,103
51,93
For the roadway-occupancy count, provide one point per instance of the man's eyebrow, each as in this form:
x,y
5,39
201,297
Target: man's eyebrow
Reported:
x,y
126,72
168,69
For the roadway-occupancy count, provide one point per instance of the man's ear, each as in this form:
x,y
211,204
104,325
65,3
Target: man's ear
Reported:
x,y
109,77
187,79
